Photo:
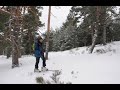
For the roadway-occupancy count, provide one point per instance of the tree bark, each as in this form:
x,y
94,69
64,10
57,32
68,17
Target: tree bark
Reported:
x,y
15,54
47,40
104,35
96,30
15,38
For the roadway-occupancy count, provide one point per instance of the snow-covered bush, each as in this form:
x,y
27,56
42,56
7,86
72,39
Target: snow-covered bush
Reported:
x,y
54,77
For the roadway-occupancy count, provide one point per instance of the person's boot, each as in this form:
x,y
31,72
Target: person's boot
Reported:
x,y
36,70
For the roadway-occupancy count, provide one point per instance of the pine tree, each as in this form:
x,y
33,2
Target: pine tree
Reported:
x,y
31,23
16,26
90,22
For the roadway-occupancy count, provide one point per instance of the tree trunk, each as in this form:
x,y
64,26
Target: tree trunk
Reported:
x,y
29,42
15,14
14,44
16,52
15,47
103,15
94,41
15,55
19,49
104,35
96,30
47,40
92,32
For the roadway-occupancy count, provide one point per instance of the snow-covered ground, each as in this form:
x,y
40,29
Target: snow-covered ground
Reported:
x,y
76,65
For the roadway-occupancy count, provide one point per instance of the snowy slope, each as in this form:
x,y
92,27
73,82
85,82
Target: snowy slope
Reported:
x,y
76,65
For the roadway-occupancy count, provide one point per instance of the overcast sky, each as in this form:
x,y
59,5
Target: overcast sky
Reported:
x,y
58,16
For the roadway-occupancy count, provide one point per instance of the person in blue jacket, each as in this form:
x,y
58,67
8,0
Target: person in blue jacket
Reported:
x,y
39,53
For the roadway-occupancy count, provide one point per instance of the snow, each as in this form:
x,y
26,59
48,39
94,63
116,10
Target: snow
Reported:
x,y
1,33
77,66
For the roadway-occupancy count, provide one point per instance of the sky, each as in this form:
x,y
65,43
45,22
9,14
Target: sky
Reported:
x,y
58,16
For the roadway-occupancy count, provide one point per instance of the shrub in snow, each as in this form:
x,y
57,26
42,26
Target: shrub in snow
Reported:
x,y
54,77
108,49
100,51
40,80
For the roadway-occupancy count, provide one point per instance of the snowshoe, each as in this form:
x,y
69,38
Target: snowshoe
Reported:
x,y
37,70
44,69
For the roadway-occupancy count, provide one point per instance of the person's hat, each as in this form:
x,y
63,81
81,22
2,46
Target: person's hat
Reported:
x,y
39,37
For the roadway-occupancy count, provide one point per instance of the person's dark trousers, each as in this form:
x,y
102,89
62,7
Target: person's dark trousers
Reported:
x,y
44,61
37,62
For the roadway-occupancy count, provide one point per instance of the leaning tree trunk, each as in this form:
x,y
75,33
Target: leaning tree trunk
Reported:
x,y
96,30
94,40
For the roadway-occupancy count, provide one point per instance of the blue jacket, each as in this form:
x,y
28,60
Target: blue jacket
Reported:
x,y
38,49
